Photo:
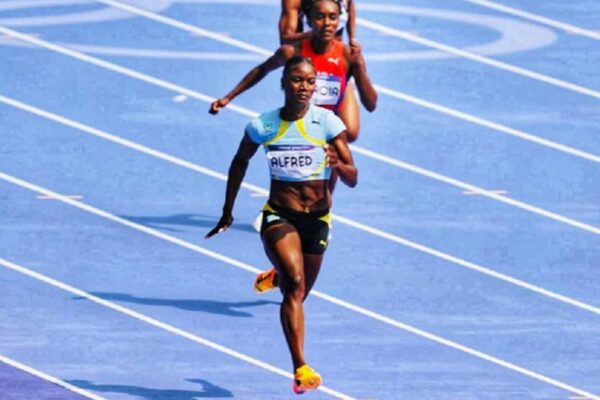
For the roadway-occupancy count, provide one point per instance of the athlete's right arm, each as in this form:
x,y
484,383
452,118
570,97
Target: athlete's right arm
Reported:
x,y
288,23
237,171
254,76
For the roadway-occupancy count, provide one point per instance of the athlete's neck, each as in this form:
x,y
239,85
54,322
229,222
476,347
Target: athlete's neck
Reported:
x,y
320,46
293,112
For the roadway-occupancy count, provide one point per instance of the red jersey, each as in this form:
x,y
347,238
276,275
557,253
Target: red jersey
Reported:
x,y
331,74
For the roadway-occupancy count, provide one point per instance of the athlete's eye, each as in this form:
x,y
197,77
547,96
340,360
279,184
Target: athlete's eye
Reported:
x,y
312,81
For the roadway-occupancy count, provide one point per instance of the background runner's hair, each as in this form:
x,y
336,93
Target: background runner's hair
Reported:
x,y
307,5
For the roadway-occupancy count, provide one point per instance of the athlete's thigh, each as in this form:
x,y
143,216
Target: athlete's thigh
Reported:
x,y
284,248
350,113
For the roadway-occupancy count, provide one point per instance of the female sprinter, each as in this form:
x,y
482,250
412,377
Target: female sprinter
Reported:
x,y
303,144
294,13
334,61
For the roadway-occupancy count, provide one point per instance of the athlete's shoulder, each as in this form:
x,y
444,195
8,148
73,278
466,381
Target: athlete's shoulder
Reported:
x,y
262,127
328,121
321,113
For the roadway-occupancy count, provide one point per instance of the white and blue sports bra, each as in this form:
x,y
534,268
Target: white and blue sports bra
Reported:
x,y
294,149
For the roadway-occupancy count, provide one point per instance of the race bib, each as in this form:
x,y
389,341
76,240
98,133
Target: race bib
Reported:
x,y
295,162
328,90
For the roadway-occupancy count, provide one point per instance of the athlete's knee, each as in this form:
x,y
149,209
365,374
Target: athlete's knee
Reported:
x,y
352,122
352,133
294,285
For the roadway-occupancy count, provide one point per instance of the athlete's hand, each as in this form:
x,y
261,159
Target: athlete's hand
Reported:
x,y
356,57
354,45
216,105
224,223
331,155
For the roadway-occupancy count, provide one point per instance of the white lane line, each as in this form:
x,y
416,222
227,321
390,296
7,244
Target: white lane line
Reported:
x,y
162,325
372,25
180,98
537,18
71,196
185,26
46,377
488,124
244,111
478,190
258,191
332,299
469,193
481,59
390,92
121,70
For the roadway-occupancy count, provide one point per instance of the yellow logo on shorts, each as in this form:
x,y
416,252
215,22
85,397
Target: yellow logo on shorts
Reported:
x,y
323,243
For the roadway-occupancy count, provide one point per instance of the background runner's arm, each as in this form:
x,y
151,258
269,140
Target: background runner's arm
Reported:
x,y
254,76
289,31
358,69
340,158
237,171
351,24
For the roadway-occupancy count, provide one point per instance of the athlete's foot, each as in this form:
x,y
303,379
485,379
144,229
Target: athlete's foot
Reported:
x,y
305,379
266,281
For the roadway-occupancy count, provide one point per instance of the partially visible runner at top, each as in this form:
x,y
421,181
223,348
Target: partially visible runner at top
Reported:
x,y
335,62
295,17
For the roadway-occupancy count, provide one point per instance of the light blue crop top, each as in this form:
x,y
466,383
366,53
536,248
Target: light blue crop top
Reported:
x,y
294,149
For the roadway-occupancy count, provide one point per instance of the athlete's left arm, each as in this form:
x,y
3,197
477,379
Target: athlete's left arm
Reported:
x,y
351,24
358,69
339,157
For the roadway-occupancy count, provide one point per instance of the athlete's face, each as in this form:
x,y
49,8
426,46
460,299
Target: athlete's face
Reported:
x,y
299,83
325,18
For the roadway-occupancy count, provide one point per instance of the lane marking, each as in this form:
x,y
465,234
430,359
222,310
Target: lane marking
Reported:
x,y
509,32
260,191
180,98
79,17
467,186
379,28
46,377
478,58
332,299
162,325
369,153
470,193
185,26
71,196
488,124
537,18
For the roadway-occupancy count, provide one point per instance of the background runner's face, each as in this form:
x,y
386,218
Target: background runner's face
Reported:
x,y
299,84
324,20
